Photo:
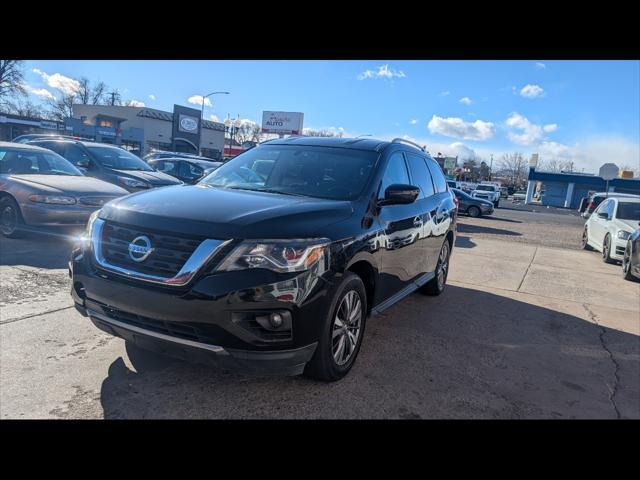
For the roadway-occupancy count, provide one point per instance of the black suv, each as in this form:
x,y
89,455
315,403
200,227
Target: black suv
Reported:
x,y
273,262
109,163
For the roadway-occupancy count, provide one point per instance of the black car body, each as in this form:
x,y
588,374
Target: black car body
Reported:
x,y
109,163
474,207
158,154
253,272
187,170
631,259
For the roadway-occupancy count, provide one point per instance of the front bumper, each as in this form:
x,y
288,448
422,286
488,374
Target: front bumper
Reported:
x,y
617,249
206,321
42,214
486,209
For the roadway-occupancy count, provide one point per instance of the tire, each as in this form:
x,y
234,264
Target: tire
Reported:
x,y
474,211
606,250
497,204
626,264
437,284
331,362
585,240
11,221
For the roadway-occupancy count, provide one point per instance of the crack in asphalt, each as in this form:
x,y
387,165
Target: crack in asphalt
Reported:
x,y
527,270
601,335
11,320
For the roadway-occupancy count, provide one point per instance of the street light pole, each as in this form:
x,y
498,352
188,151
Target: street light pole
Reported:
x,y
202,119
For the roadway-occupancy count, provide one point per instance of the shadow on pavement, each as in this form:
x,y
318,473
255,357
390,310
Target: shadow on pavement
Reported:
x,y
464,242
42,249
467,228
464,354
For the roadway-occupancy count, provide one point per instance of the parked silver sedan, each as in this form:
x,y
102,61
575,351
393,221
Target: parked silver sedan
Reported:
x,y
40,188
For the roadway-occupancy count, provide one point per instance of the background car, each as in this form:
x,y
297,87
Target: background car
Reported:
x,y
474,207
45,136
109,163
40,188
157,154
487,192
519,195
610,226
597,198
631,259
188,170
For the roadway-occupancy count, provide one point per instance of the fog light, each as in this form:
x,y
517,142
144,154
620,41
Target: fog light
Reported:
x,y
275,319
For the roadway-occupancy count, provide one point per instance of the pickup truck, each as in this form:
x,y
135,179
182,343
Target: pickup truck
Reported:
x,y
487,192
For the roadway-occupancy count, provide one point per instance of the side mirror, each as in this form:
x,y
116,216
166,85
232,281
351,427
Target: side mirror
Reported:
x,y
82,164
400,194
603,215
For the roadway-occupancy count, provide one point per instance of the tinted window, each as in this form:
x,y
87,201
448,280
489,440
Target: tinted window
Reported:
x,y
396,172
420,175
486,188
628,211
439,180
191,171
603,207
25,162
53,146
74,154
117,158
461,194
323,172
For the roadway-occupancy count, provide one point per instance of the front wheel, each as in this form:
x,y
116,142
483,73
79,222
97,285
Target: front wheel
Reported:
x,y
626,263
10,218
585,239
496,204
342,332
436,285
474,211
606,249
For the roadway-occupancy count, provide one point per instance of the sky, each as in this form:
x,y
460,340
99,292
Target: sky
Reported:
x,y
585,111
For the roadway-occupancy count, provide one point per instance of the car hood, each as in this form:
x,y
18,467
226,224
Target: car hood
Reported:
x,y
225,213
76,185
154,178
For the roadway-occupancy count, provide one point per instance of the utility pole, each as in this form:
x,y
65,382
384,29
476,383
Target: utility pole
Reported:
x,y
491,167
113,97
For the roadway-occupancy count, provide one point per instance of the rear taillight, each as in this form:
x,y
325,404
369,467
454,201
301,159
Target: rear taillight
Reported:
x,y
591,206
456,201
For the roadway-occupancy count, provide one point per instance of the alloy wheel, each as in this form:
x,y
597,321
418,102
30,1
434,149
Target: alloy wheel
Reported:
x,y
443,265
8,220
346,327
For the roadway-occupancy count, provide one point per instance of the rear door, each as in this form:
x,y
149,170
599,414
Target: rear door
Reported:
x,y
597,225
443,210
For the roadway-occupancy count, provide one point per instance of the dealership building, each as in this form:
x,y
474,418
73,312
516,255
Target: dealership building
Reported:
x,y
138,129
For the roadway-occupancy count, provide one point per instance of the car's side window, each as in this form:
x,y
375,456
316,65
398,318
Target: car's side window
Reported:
x,y
396,172
611,208
75,154
439,180
603,207
53,146
420,175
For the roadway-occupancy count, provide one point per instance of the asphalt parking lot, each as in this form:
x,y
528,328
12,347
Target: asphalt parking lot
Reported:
x,y
529,327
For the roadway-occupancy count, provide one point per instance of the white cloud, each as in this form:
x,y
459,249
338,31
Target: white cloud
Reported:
x,y
39,92
539,66
58,81
466,100
413,121
458,128
152,96
135,103
531,91
197,100
528,133
383,72
445,93
214,118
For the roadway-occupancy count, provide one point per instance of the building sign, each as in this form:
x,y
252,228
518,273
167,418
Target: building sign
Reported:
x,y
284,123
186,129
48,124
188,124
450,163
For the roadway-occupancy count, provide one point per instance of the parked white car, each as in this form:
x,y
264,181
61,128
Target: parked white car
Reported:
x,y
487,192
610,226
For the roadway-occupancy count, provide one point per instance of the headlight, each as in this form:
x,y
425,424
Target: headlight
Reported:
x,y
277,255
53,199
85,238
132,183
623,235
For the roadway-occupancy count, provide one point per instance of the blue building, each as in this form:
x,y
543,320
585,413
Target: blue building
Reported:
x,y
567,188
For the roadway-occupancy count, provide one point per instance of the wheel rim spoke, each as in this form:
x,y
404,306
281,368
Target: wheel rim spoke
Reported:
x,y
346,327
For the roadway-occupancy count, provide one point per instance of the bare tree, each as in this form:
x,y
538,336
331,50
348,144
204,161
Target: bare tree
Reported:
x,y
24,108
90,95
515,167
86,94
62,106
247,132
321,133
555,165
11,80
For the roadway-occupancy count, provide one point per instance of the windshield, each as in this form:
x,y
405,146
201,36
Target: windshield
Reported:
x,y
322,172
118,159
628,211
33,162
461,194
489,188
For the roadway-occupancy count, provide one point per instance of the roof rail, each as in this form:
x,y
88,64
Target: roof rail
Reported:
x,y
404,140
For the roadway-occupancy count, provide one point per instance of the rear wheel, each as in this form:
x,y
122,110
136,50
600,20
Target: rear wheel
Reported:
x,y
436,285
606,249
342,332
585,239
474,211
497,203
10,218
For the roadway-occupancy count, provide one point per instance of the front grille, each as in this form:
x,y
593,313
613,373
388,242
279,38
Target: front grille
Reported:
x,y
170,254
620,250
95,201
